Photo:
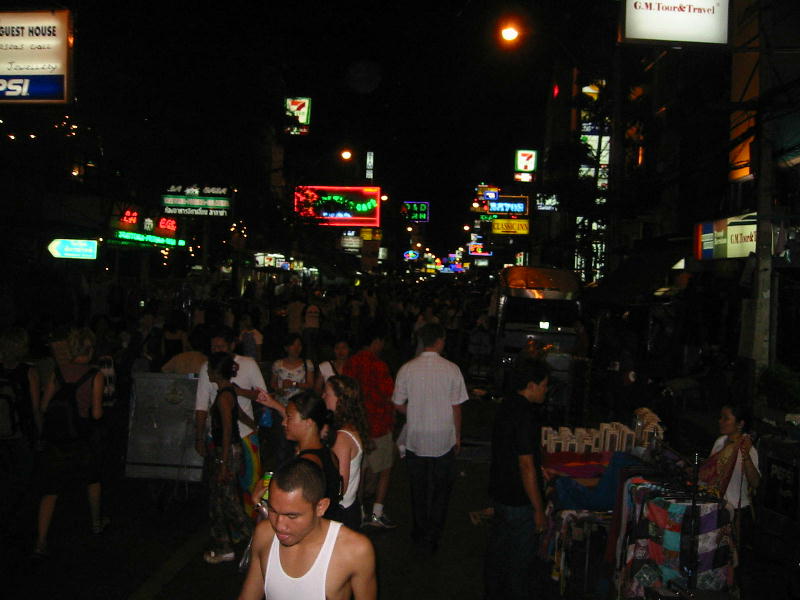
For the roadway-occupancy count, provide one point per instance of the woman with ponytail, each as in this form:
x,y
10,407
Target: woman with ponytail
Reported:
x,y
306,417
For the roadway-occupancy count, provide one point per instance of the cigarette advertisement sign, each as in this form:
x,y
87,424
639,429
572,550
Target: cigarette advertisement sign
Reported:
x,y
510,226
35,49
693,21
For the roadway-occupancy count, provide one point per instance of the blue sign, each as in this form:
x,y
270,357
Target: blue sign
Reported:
x,y
32,87
81,249
491,195
519,208
411,255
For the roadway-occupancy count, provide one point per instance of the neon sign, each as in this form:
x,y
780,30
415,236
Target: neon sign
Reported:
x,y
509,205
130,217
168,224
348,206
417,212
477,249
147,239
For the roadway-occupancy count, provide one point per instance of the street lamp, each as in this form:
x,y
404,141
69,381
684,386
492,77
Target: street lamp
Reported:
x,y
346,154
509,33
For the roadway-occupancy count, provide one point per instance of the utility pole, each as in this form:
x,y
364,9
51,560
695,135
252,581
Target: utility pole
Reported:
x,y
763,305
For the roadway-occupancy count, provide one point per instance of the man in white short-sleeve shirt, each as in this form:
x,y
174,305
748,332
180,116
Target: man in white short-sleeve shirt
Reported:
x,y
430,389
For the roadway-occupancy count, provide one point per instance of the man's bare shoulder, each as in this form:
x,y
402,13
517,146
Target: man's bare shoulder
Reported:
x,y
263,536
353,545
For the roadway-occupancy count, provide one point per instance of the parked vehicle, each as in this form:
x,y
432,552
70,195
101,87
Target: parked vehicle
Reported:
x,y
538,312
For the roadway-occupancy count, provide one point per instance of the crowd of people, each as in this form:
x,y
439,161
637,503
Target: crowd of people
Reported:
x,y
321,391
303,374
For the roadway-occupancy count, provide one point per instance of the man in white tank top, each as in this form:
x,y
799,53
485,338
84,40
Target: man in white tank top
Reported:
x,y
298,554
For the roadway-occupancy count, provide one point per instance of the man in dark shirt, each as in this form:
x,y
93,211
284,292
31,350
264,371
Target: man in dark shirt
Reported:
x,y
516,487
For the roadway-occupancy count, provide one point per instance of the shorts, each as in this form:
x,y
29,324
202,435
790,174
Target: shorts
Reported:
x,y
382,456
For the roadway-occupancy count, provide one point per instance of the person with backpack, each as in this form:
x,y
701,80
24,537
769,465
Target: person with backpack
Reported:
x,y
71,407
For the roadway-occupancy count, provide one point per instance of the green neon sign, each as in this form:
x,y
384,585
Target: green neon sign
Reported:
x,y
153,240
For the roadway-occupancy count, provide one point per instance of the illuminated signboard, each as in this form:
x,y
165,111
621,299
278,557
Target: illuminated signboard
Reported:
x,y
734,237
525,161
79,249
167,224
146,239
417,212
411,255
197,201
523,177
701,21
132,218
129,217
347,206
483,195
509,205
351,244
298,109
35,50
510,226
477,249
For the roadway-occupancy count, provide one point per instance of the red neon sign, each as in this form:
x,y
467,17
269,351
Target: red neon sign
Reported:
x,y
130,217
344,206
168,224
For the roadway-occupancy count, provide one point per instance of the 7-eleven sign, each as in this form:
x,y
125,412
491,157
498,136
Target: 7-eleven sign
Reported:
x,y
525,161
299,108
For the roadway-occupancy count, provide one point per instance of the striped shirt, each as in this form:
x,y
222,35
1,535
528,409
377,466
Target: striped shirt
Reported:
x,y
431,385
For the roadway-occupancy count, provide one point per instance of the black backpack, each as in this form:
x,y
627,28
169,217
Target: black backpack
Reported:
x,y
61,421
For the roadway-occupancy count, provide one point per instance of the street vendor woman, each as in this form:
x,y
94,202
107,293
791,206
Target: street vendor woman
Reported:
x,y
731,471
725,475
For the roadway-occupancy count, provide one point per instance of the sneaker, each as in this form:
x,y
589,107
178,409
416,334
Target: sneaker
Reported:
x,y
99,526
382,522
214,558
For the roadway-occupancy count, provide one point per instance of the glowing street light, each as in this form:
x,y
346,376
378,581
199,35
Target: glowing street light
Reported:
x,y
467,227
509,33
346,155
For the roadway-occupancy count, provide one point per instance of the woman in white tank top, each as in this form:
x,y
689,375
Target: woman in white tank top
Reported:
x,y
343,396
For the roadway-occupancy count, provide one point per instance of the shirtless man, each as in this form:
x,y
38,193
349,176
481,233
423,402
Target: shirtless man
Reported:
x,y
298,554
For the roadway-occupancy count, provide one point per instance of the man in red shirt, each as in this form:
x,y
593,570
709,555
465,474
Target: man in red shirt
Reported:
x,y
377,386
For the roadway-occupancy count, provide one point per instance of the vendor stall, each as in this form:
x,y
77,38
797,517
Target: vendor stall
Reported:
x,y
640,501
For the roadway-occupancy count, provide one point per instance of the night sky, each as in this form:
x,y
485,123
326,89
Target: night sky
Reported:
x,y
188,90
